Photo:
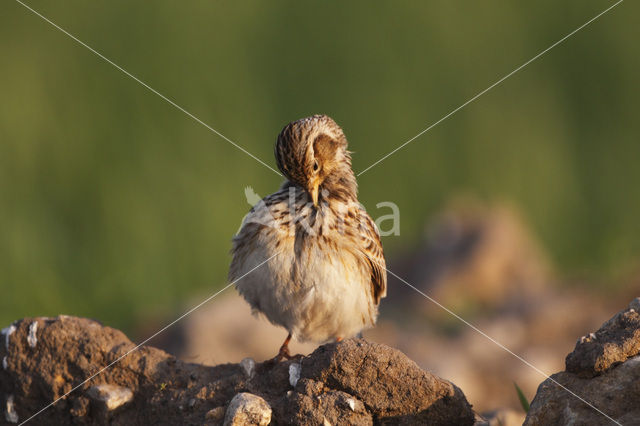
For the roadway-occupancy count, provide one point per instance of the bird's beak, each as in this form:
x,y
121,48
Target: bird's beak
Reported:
x,y
313,190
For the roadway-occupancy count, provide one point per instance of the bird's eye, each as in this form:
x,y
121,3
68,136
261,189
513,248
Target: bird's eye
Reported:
x,y
315,166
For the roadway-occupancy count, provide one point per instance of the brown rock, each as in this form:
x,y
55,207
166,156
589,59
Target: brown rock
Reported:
x,y
602,381
616,394
379,377
353,382
314,406
616,341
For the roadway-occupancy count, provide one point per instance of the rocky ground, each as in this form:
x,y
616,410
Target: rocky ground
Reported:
x,y
69,370
353,382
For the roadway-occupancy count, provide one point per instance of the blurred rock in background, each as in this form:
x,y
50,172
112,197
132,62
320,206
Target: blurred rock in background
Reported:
x,y
473,257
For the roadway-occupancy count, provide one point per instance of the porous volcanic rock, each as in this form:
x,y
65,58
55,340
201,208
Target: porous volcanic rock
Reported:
x,y
616,341
353,382
603,373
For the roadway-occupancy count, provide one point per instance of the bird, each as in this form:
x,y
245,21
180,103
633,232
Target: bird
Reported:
x,y
308,257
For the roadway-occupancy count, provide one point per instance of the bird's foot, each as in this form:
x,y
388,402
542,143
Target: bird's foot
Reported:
x,y
284,353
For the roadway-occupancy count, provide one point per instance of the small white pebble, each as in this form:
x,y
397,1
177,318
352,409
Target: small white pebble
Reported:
x,y
5,364
112,396
11,415
32,338
249,366
592,336
352,404
248,409
8,331
294,373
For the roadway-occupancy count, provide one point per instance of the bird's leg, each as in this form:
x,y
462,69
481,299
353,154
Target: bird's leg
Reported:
x,y
284,350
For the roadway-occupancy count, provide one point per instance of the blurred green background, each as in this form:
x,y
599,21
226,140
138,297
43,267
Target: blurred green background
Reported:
x,y
117,206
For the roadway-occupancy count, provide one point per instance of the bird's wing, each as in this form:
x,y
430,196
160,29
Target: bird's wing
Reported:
x,y
371,247
265,212
269,213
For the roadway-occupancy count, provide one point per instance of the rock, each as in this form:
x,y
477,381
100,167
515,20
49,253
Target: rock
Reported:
x,y
247,409
393,388
10,412
215,414
616,341
7,332
473,255
352,382
600,384
249,367
111,396
294,373
80,407
616,394
32,338
321,408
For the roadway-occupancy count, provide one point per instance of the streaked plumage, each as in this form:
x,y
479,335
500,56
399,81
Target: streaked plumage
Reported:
x,y
329,275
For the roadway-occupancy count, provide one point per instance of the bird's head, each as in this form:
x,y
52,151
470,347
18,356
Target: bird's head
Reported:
x,y
312,153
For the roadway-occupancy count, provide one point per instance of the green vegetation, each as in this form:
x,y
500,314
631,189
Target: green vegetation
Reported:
x,y
524,402
117,206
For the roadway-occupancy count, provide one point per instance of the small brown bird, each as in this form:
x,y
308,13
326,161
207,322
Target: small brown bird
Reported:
x,y
326,272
